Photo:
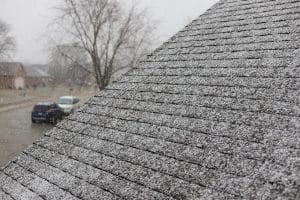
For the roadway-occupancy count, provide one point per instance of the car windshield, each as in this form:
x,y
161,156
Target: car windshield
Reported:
x,y
65,101
40,108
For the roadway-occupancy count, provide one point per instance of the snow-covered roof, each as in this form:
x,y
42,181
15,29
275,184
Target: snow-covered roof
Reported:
x,y
35,71
212,114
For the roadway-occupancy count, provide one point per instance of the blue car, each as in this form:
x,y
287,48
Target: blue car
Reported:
x,y
46,112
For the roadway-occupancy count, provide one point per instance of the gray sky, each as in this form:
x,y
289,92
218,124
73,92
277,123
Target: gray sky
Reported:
x,y
29,18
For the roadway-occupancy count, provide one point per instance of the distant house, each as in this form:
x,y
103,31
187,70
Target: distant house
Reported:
x,y
12,75
36,76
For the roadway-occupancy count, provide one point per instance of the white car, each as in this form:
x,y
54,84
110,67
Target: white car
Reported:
x,y
68,104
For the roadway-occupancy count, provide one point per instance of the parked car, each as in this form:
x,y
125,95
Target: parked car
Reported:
x,y
46,112
68,104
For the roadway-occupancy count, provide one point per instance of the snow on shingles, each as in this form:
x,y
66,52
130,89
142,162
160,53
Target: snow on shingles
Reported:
x,y
249,105
15,189
79,164
283,72
197,139
211,114
253,63
230,12
136,173
241,34
272,17
235,82
184,152
4,196
72,184
259,46
207,113
253,152
268,94
289,53
37,184
145,164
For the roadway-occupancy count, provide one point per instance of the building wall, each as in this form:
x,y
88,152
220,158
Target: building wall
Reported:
x,y
6,82
18,81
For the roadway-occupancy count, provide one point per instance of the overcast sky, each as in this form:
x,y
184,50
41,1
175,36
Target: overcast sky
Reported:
x,y
29,18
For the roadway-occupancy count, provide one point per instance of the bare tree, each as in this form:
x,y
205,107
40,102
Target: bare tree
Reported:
x,y
7,43
112,36
68,66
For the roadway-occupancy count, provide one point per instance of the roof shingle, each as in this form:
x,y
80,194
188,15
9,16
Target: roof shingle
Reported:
x,y
211,114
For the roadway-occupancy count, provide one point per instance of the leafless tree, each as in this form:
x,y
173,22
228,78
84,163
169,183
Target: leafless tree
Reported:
x,y
113,37
68,66
7,42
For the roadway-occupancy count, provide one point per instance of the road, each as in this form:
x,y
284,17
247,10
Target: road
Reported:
x,y
17,132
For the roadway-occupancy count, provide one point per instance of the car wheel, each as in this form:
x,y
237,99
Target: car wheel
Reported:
x,y
33,121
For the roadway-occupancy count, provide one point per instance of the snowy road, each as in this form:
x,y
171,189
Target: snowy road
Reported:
x,y
17,132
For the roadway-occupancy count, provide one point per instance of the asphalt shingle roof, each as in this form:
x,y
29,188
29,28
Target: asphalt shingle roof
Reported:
x,y
35,71
212,114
